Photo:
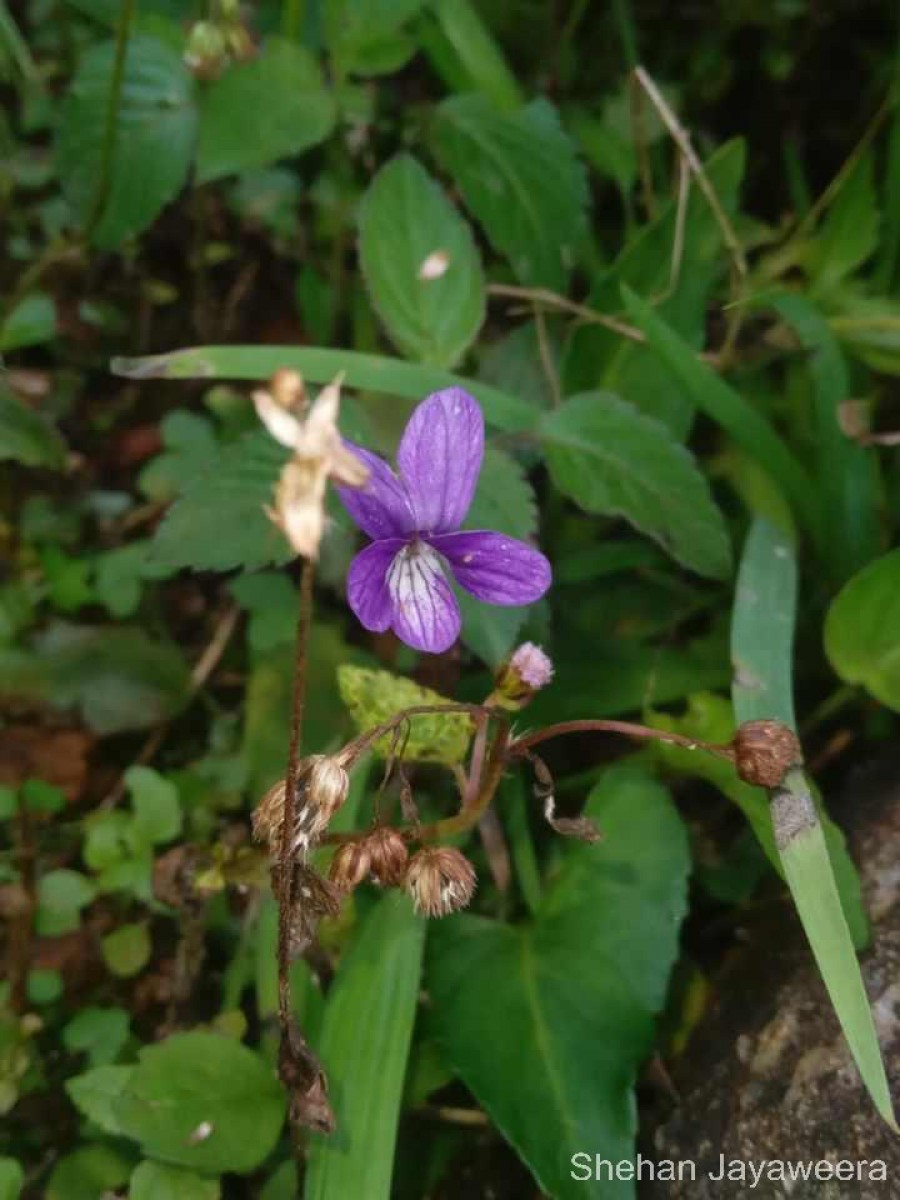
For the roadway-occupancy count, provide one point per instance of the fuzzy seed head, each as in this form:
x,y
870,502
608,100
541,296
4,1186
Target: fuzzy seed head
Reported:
x,y
350,866
440,880
322,787
764,752
389,856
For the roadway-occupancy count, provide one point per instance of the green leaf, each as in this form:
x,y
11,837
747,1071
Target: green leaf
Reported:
x,y
283,84
87,1173
62,894
100,1032
476,53
365,1042
156,1181
762,636
849,234
405,223
30,323
371,372
191,446
547,1022
232,492
726,406
196,1084
611,459
97,1093
366,37
127,950
153,136
521,178
45,986
862,630
116,675
12,1177
847,472
375,696
157,811
25,436
504,499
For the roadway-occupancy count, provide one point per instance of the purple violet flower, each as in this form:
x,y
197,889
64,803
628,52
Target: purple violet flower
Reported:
x,y
414,517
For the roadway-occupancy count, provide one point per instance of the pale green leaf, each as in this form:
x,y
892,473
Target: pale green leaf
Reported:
x,y
407,223
96,1094
365,1042
62,894
274,106
127,950
367,37
376,696
87,1173
611,459
30,323
12,1178
157,1181
862,630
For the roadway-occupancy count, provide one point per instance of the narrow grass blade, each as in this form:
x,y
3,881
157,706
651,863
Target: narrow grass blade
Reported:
x,y
371,372
762,640
847,472
727,407
365,1044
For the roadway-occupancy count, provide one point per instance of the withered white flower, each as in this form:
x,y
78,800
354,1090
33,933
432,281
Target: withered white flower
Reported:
x,y
318,454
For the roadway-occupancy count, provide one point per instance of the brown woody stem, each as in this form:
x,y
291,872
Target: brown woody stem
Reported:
x,y
627,728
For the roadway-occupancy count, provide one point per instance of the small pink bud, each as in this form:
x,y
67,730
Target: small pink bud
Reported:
x,y
526,672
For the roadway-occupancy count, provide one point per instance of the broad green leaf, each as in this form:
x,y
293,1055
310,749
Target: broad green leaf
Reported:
x,y
190,446
12,1177
192,1082
157,1181
44,986
99,1032
96,1094
762,640
521,178
365,1044
375,696
611,459
862,630
30,323
25,436
729,409
273,106
231,493
513,363
116,675
157,811
153,136
87,1173
504,499
62,894
367,37
127,950
847,472
406,224
475,55
371,372
548,1022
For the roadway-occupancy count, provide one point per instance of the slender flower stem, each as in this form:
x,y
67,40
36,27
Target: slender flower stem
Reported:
x,y
628,728
285,858
104,174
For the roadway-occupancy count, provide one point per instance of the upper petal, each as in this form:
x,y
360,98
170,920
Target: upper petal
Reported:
x,y
425,611
381,507
367,589
495,568
440,457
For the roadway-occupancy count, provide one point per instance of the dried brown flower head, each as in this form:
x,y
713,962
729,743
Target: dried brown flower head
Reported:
x,y
322,786
318,454
389,855
350,866
764,752
440,880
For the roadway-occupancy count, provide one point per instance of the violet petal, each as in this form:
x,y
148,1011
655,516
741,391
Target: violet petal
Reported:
x,y
425,612
495,568
439,458
381,507
367,589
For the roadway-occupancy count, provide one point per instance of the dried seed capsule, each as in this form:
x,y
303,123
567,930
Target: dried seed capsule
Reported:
x,y
350,865
440,881
322,787
764,752
389,856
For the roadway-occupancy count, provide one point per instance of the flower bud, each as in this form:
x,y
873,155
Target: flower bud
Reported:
x,y
526,672
440,881
206,52
389,855
350,866
764,752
